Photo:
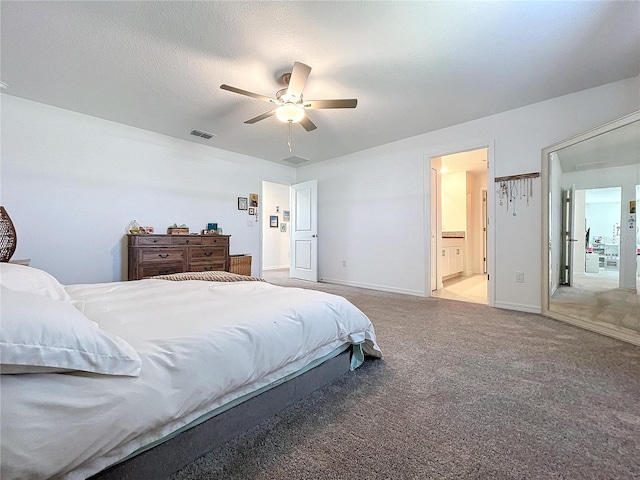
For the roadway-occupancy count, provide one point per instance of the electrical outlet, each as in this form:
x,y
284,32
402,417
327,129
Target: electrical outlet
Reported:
x,y
519,277
344,263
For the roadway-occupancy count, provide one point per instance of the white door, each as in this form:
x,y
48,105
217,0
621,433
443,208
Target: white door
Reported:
x,y
304,231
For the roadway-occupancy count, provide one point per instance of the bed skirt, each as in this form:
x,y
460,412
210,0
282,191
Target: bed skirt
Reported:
x,y
177,450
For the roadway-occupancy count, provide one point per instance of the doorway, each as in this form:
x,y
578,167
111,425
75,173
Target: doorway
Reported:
x,y
289,229
459,233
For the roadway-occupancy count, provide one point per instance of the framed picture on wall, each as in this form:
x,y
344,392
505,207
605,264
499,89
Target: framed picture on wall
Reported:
x,y
273,221
285,215
253,199
283,227
252,211
242,203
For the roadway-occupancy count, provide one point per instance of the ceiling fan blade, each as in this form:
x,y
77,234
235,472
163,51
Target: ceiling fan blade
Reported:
x,y
248,94
298,80
307,124
319,104
260,117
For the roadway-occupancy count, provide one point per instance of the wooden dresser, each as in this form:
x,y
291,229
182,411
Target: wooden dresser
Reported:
x,y
151,255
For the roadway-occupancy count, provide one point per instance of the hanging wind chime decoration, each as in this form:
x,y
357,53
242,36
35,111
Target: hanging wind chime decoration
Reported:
x,y
514,188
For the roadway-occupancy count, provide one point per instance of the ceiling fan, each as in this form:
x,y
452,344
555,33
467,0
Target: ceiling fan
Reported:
x,y
290,103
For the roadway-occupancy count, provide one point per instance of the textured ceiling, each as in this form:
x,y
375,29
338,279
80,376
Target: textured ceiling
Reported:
x,y
414,67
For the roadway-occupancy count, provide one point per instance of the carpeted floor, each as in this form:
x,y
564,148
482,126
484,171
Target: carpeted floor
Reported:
x,y
465,391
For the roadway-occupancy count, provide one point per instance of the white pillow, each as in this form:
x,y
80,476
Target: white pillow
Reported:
x,y
42,335
32,280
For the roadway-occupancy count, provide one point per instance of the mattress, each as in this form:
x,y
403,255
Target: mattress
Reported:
x,y
202,346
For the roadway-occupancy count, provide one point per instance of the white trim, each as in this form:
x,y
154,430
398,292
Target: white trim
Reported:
x,y
426,192
521,307
382,288
277,267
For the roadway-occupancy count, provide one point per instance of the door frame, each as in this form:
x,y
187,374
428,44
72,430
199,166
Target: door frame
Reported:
x,y
426,169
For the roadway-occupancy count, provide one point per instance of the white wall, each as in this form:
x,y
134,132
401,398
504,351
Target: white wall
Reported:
x,y
602,218
72,183
275,243
373,203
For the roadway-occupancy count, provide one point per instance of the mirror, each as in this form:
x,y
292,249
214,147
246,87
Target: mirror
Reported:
x,y
591,239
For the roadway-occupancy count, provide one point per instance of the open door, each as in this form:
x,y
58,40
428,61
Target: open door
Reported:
x,y
566,267
304,231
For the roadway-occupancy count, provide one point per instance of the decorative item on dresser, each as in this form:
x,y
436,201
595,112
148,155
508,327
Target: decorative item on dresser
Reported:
x,y
151,255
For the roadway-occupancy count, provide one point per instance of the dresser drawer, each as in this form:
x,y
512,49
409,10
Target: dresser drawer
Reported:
x,y
143,240
185,240
215,240
146,271
166,255
207,254
207,267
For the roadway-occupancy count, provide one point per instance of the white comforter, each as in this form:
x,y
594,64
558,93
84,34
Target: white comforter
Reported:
x,y
202,344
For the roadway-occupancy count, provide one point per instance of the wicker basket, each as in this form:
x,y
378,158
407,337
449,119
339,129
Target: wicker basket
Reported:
x,y
8,236
241,264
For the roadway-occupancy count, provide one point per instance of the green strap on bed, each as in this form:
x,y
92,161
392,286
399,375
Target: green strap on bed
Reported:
x,y
357,356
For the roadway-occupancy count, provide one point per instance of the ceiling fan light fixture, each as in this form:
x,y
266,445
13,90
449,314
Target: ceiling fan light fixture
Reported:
x,y
290,113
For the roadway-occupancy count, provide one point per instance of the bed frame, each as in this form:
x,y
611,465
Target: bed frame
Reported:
x,y
174,454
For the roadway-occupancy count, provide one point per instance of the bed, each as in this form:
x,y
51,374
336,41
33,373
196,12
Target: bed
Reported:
x,y
96,377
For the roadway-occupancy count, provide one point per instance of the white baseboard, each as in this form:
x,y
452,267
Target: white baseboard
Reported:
x,y
276,267
520,307
382,288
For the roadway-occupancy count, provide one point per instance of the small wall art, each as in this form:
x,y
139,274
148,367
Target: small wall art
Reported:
x,y
253,199
285,216
252,211
283,227
273,221
242,203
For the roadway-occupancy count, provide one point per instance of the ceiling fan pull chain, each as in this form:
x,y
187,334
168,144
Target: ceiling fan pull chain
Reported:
x,y
289,141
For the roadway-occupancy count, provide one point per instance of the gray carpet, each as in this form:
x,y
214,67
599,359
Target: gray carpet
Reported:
x,y
464,391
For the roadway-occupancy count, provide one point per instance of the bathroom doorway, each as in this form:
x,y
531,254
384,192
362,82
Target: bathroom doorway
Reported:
x,y
460,237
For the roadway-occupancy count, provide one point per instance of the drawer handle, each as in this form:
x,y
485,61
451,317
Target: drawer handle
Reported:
x,y
187,241
166,255
208,254
155,240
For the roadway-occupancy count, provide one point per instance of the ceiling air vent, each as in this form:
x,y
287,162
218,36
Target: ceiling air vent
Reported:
x,y
205,135
295,160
